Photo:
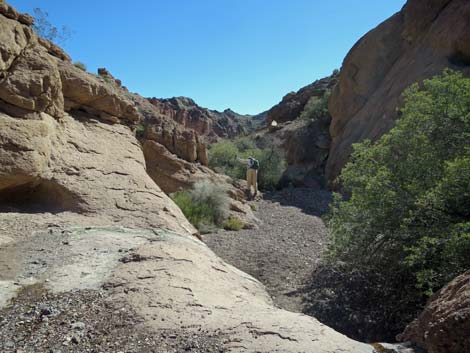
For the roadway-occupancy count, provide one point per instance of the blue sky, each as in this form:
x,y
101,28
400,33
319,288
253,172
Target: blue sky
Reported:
x,y
238,54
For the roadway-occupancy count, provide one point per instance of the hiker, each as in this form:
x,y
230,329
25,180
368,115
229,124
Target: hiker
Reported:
x,y
252,166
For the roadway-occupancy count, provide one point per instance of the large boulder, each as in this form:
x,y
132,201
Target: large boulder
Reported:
x,y
444,324
418,42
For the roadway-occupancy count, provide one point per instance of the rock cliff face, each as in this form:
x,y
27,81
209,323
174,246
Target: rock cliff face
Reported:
x,y
418,42
305,141
64,141
208,123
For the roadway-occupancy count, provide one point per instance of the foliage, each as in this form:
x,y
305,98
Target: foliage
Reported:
x,y
205,205
140,128
408,215
233,223
45,29
316,107
80,65
223,158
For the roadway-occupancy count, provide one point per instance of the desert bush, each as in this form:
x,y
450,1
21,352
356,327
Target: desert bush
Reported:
x,y
205,205
233,223
80,65
316,107
407,218
140,129
272,165
223,158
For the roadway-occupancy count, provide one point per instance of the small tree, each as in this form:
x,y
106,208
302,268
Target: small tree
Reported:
x,y
45,29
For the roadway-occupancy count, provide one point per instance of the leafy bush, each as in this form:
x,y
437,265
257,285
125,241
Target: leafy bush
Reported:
x,y
407,218
80,65
316,107
223,159
205,205
233,223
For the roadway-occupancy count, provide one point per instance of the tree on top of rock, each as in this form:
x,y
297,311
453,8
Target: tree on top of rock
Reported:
x,y
45,29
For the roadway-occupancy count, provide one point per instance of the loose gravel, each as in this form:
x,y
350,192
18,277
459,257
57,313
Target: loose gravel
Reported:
x,y
286,247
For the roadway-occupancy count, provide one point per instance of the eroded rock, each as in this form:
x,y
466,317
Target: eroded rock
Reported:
x,y
444,324
417,43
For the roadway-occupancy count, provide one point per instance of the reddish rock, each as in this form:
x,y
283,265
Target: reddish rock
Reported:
x,y
208,123
293,103
444,324
418,42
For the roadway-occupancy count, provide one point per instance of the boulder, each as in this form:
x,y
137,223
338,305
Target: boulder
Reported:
x,y
444,324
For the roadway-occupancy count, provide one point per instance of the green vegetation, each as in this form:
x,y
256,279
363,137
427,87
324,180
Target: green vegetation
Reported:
x,y
205,205
233,223
140,131
316,107
223,159
406,225
80,65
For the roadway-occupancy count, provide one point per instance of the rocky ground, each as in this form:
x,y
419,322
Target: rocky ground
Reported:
x,y
82,321
284,250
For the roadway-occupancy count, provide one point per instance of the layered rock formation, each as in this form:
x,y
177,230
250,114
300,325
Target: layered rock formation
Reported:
x,y
209,123
57,152
444,324
80,218
418,42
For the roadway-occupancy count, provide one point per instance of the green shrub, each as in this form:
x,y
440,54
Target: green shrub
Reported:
x,y
80,65
223,159
407,218
233,223
405,230
205,205
139,130
316,107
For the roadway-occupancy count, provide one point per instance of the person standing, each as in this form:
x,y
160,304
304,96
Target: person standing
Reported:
x,y
252,166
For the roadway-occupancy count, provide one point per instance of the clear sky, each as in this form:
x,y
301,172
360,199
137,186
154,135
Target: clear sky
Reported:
x,y
238,54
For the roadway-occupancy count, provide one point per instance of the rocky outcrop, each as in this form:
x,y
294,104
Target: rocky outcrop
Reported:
x,y
444,324
208,123
293,103
64,143
175,174
304,139
418,42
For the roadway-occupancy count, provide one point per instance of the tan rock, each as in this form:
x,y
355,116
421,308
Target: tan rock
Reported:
x,y
188,286
82,90
175,174
90,168
33,83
